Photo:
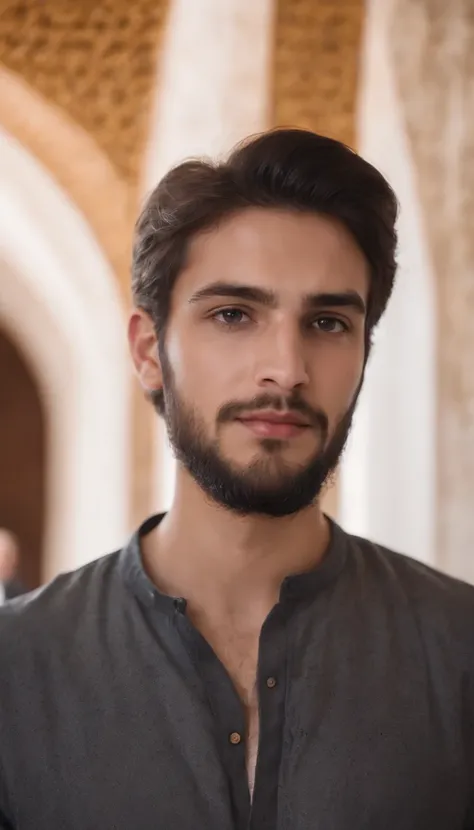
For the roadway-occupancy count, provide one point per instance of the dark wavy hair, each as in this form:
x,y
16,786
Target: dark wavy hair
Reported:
x,y
283,168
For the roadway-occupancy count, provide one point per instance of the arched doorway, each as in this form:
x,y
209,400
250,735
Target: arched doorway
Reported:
x,y
59,300
23,459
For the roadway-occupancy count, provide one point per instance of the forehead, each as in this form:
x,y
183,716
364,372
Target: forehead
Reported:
x,y
288,252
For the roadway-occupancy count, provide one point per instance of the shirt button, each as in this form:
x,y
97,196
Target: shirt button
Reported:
x,y
271,682
235,738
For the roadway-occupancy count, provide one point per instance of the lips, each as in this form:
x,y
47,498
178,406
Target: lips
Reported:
x,y
275,424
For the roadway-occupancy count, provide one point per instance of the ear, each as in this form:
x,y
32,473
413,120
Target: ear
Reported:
x,y
144,350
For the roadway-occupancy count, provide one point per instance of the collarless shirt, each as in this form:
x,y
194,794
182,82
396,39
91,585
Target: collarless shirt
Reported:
x,y
116,713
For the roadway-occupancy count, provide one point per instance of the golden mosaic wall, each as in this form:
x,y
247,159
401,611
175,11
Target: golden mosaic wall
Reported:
x,y
317,50
95,60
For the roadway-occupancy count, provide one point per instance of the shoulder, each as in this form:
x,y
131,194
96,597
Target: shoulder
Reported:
x,y
415,575
438,601
57,612
13,589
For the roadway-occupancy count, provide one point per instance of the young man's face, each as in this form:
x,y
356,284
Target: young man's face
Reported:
x,y
264,356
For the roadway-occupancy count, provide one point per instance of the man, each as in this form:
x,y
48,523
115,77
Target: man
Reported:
x,y
243,662
10,586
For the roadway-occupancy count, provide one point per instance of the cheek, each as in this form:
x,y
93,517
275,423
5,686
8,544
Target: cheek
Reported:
x,y
337,380
201,372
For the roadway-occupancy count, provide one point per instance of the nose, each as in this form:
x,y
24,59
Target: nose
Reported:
x,y
282,362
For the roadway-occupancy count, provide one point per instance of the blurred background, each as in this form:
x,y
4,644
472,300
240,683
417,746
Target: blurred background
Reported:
x,y
97,99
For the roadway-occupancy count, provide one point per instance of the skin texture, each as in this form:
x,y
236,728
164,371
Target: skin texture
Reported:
x,y
8,555
288,337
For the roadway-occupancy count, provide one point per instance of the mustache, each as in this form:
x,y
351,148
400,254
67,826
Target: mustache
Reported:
x,y
293,403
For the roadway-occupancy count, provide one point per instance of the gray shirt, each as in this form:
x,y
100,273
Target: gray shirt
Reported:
x,y
116,714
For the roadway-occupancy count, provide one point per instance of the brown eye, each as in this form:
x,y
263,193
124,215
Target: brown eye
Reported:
x,y
231,316
330,325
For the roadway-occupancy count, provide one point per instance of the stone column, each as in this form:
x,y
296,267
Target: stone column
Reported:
x,y
433,48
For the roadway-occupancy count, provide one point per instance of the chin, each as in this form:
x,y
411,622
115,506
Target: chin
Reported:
x,y
271,468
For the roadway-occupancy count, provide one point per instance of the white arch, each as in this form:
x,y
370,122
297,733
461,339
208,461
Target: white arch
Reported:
x,y
388,478
59,300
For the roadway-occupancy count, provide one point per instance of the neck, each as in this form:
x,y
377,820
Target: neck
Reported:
x,y
227,562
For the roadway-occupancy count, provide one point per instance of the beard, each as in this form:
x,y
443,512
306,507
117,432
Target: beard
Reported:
x,y
269,485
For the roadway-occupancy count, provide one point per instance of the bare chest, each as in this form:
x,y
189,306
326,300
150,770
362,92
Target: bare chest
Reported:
x,y
239,654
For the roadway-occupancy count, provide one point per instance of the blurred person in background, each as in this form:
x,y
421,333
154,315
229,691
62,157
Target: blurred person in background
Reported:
x,y
243,663
10,585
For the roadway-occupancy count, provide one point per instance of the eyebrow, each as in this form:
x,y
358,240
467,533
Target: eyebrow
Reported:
x,y
339,299
261,296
